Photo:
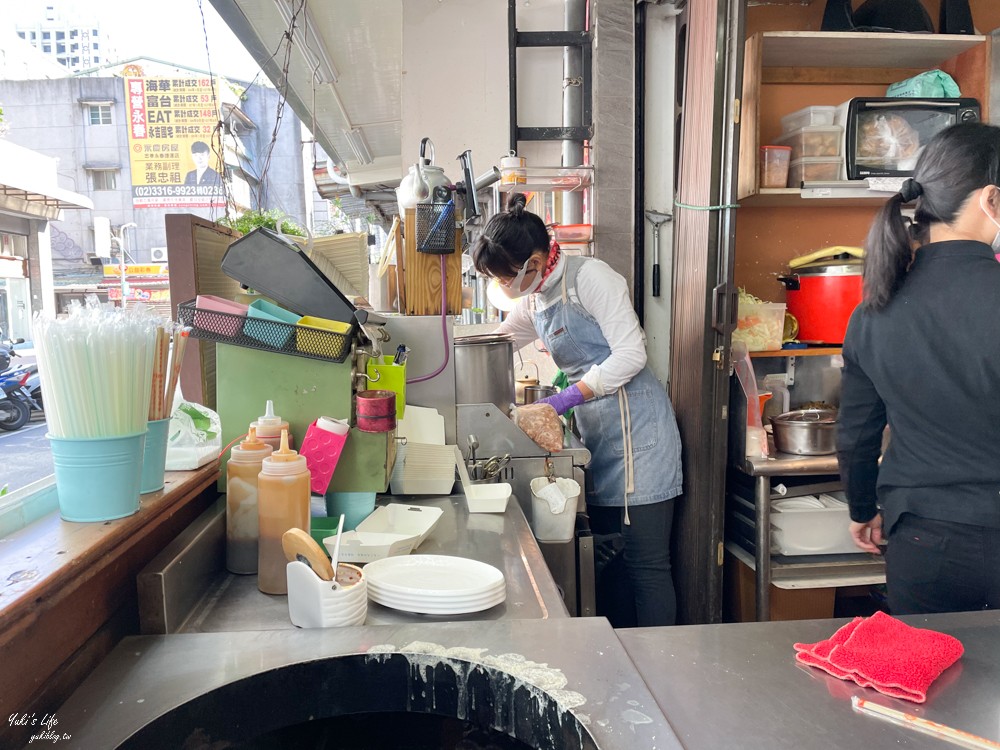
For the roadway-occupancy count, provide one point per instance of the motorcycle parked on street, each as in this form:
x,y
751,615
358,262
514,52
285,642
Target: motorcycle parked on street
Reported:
x,y
18,388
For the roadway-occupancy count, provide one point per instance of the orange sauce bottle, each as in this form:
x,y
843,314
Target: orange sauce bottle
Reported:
x,y
242,470
282,504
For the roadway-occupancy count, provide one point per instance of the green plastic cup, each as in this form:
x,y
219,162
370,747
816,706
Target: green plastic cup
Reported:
x,y
97,479
356,507
154,455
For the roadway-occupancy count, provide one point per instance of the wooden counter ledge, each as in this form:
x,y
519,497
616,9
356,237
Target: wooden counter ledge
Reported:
x,y
68,592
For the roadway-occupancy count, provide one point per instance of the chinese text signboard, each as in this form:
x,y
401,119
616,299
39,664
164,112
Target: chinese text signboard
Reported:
x,y
170,143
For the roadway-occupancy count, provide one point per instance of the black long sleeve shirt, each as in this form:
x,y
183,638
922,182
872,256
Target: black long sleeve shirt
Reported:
x,y
928,364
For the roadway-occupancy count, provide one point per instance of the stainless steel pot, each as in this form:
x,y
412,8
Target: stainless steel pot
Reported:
x,y
533,393
806,432
484,370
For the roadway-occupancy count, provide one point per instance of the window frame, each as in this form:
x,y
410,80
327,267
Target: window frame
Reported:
x,y
104,173
100,109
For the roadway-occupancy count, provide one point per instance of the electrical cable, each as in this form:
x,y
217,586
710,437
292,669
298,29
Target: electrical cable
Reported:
x,y
444,331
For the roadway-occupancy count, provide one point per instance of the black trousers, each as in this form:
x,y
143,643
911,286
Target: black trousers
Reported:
x,y
634,586
941,566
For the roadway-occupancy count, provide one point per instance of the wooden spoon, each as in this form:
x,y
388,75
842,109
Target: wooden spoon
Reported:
x,y
298,545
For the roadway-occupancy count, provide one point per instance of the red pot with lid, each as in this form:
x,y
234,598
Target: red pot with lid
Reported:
x,y
822,290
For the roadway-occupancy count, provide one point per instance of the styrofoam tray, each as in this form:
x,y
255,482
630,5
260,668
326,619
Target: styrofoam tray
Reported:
x,y
368,546
407,520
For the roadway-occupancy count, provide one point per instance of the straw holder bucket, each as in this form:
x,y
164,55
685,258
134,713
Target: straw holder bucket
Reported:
x,y
98,479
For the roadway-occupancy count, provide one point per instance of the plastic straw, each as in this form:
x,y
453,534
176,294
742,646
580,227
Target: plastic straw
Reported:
x,y
96,368
925,726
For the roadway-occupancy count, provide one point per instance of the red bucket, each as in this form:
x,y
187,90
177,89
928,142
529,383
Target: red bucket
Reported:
x,y
376,411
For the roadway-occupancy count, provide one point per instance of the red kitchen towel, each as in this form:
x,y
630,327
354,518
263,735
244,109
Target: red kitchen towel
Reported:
x,y
883,653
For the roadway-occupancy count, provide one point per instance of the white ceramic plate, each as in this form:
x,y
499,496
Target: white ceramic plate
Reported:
x,y
438,598
431,607
433,575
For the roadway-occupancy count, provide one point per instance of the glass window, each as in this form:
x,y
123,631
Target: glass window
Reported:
x,y
46,48
97,59
60,35
46,35
60,49
104,179
73,33
21,34
100,114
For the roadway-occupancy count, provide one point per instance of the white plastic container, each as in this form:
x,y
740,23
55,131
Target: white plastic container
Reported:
x,y
488,498
811,525
550,526
369,546
315,603
409,520
808,116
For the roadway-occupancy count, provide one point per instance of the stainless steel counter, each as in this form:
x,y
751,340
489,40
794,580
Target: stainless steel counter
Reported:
x,y
739,686
233,602
555,684
787,464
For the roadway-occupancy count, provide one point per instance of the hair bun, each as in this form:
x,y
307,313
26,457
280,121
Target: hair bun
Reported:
x,y
517,203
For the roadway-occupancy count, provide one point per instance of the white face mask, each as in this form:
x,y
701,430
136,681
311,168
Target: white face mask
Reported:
x,y
514,291
996,238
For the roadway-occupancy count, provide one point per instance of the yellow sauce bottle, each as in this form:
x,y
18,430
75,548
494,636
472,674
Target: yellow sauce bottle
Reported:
x,y
269,427
282,504
242,470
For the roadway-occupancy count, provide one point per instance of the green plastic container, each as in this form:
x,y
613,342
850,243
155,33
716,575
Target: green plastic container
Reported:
x,y
356,507
388,376
260,314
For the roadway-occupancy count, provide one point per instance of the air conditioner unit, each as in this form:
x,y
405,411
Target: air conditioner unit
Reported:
x,y
158,254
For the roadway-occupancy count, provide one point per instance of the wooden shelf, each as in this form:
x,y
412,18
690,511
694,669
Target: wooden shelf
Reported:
x,y
795,198
816,351
832,49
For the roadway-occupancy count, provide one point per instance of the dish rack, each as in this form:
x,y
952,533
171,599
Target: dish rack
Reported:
x,y
266,335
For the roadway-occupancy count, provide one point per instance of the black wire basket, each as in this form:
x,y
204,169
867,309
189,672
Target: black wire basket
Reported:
x,y
436,228
266,335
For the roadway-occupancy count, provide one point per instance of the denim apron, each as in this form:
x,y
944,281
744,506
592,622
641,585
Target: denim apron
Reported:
x,y
632,435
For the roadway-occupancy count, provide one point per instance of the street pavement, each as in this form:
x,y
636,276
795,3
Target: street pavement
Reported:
x,y
25,456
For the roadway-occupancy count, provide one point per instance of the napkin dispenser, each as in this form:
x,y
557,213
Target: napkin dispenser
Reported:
x,y
276,267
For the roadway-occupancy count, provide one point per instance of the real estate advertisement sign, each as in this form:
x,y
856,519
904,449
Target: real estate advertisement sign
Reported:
x,y
174,157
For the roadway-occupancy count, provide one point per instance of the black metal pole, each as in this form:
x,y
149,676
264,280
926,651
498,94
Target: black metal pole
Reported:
x,y
639,220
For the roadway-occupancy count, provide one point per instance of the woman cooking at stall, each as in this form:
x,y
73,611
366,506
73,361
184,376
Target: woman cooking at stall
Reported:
x,y
580,309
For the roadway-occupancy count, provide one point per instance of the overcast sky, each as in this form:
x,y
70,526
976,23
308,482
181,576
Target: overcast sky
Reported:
x,y
170,31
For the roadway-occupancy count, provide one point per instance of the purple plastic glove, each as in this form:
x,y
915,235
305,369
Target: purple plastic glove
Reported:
x,y
566,399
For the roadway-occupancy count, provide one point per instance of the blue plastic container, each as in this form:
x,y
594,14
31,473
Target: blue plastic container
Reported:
x,y
260,314
356,507
98,479
154,455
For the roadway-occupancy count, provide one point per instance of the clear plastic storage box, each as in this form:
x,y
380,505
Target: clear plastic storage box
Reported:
x,y
760,325
814,169
811,525
809,116
815,140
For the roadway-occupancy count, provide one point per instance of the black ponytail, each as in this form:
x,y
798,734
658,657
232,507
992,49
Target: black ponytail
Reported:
x,y
956,162
509,239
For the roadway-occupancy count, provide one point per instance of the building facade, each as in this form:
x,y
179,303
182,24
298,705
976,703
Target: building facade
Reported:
x,y
89,125
71,39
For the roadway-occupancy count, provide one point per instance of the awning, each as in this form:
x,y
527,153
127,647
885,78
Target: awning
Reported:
x,y
29,187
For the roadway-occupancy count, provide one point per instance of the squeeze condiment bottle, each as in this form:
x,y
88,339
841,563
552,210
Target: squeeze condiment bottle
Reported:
x,y
282,504
269,427
241,503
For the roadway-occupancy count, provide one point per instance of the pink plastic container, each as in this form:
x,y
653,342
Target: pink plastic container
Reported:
x,y
217,323
322,446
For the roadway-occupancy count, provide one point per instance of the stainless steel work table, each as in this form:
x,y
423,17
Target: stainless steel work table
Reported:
x,y
853,569
739,686
233,602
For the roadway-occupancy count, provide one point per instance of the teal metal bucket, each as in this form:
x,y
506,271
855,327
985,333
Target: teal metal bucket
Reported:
x,y
154,455
356,507
97,479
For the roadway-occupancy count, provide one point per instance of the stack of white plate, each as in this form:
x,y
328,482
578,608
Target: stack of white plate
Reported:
x,y
423,469
435,584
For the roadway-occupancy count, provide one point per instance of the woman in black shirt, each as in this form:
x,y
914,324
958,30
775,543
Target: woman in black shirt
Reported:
x,y
922,354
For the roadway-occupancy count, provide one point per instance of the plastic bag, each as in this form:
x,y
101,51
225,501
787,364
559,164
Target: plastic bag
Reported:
x,y
541,423
195,436
929,84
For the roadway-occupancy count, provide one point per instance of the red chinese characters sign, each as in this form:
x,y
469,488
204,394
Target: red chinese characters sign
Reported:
x,y
173,146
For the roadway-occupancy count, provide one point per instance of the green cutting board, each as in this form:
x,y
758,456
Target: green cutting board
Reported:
x,y
302,389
